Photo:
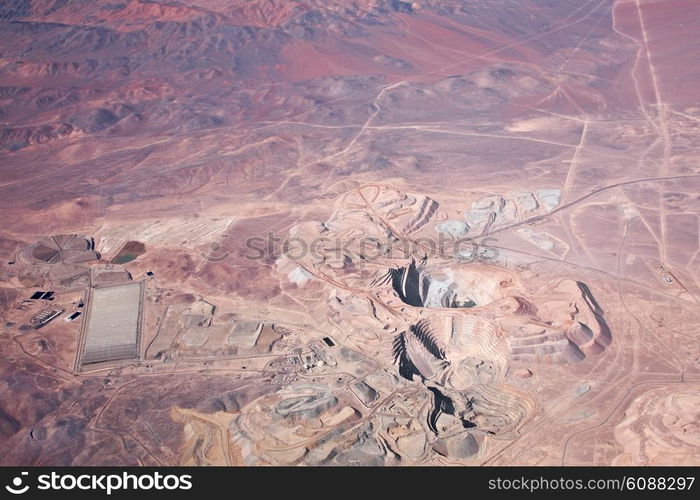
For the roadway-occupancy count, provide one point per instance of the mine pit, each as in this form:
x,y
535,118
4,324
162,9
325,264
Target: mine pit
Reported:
x,y
434,286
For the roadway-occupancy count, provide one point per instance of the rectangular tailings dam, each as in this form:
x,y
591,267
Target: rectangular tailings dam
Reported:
x,y
113,326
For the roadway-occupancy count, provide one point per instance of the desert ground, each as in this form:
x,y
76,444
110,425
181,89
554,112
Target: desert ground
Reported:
x,y
368,232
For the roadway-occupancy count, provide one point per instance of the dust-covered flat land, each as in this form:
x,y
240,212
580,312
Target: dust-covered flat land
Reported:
x,y
374,232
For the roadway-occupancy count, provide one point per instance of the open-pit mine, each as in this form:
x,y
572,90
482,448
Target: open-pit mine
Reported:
x,y
329,232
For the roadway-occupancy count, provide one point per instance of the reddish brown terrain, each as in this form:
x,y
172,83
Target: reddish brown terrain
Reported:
x,y
370,232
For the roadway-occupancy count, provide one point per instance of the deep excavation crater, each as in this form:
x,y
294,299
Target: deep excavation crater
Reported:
x,y
423,285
